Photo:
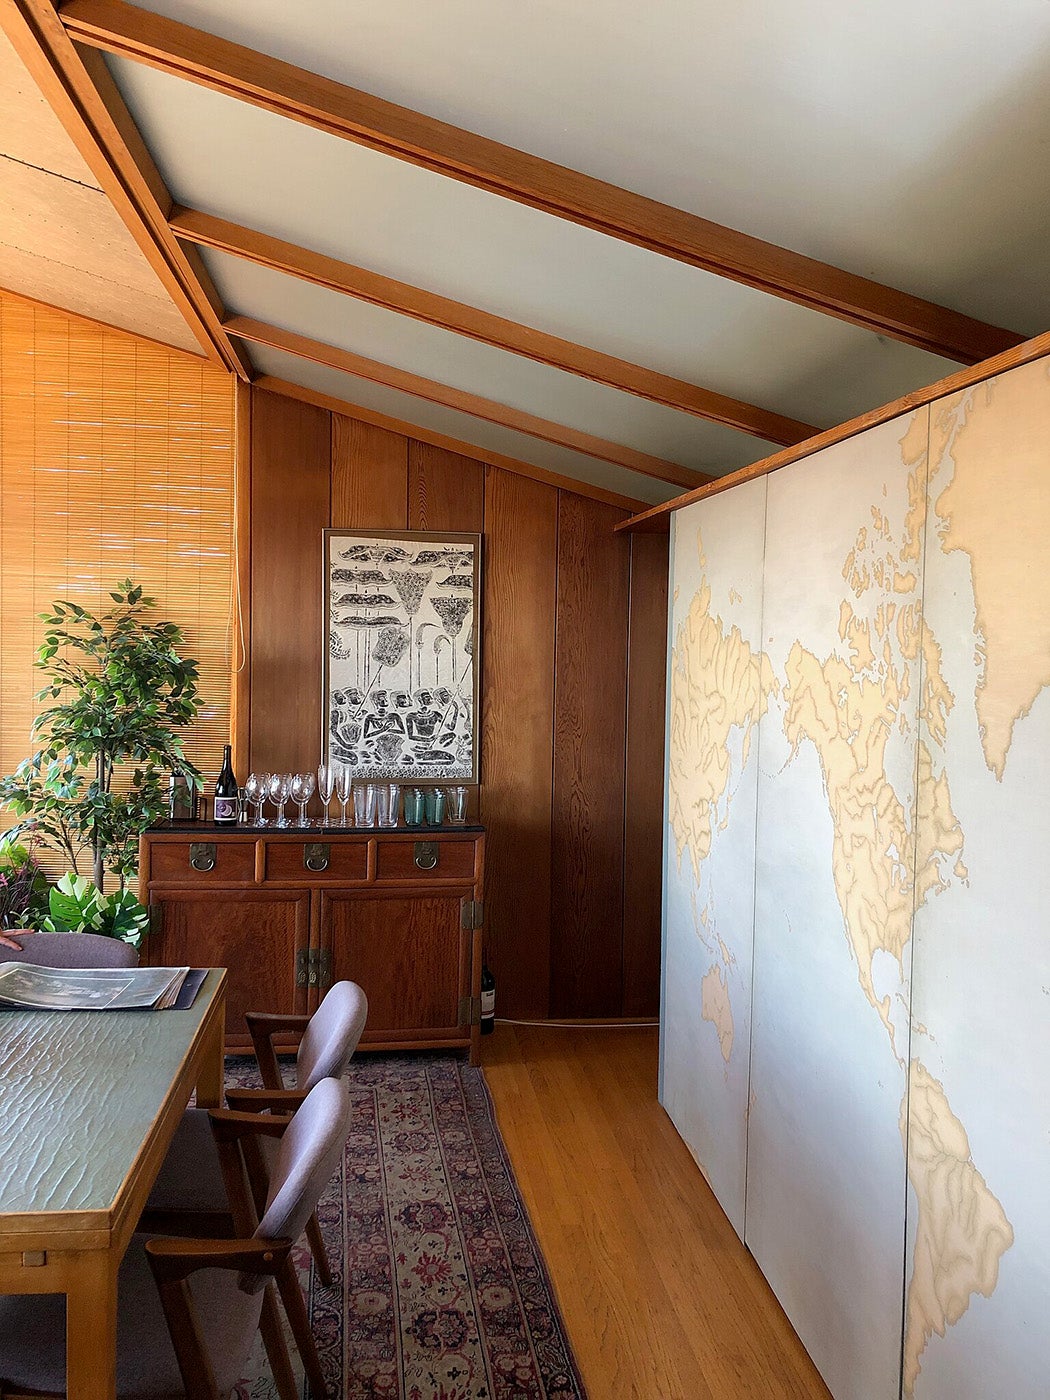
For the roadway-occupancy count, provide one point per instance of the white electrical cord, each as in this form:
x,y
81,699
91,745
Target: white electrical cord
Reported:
x,y
583,1025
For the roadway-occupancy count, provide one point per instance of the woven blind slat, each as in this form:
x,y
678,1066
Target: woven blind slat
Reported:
x,y
116,461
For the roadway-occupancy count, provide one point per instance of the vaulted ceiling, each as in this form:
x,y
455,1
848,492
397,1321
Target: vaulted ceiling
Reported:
x,y
632,245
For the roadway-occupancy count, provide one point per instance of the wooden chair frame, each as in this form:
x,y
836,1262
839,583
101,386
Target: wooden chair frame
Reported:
x,y
244,1173
263,1026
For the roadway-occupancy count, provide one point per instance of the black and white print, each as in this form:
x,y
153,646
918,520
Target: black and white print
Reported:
x,y
401,630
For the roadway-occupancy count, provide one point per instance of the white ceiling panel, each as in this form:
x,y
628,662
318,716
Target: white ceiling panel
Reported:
x,y
302,185
460,426
465,364
900,141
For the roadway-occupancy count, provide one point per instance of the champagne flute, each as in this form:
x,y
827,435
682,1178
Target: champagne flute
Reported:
x,y
256,787
302,790
280,787
344,784
325,787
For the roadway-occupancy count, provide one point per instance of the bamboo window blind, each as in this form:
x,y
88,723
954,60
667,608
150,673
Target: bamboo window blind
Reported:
x,y
116,461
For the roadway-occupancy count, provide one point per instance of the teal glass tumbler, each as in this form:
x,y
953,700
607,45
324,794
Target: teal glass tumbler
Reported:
x,y
414,806
435,806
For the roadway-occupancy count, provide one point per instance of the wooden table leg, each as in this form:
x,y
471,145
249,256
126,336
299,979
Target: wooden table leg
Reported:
x,y
211,1077
91,1326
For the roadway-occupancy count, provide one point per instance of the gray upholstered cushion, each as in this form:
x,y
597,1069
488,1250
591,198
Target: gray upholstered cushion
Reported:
x,y
308,1155
69,950
331,1037
191,1176
32,1333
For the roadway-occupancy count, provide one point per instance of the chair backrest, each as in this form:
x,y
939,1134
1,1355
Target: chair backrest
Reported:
x,y
331,1036
69,950
310,1148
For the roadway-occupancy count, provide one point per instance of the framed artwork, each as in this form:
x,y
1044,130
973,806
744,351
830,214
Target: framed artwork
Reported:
x,y
401,654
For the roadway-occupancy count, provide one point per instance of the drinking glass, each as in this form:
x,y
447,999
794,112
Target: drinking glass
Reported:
x,y
456,797
325,787
434,803
364,804
280,788
388,796
302,790
413,806
343,787
256,786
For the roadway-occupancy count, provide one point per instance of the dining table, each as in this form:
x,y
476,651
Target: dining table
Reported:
x,y
89,1103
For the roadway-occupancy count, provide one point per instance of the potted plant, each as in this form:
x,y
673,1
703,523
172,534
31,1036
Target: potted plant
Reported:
x,y
120,694
24,887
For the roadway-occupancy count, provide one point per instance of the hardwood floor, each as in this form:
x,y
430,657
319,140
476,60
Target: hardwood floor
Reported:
x,y
661,1299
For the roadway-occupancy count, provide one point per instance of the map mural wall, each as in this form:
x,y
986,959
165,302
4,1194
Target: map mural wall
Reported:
x,y
718,688
877,1130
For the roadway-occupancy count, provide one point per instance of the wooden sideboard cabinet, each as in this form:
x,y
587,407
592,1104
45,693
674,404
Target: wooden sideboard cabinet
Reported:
x,y
289,912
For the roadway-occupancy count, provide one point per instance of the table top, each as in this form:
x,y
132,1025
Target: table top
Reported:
x,y
80,1095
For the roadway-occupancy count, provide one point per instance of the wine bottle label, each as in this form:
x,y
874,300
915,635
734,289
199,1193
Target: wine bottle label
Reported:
x,y
225,809
488,1003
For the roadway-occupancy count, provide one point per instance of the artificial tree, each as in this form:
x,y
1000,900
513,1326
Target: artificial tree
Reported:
x,y
122,693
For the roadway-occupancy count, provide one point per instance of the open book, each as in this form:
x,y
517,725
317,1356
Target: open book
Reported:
x,y
27,987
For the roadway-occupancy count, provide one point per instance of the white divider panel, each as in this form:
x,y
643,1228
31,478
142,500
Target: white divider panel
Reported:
x,y
718,686
826,1179
979,1130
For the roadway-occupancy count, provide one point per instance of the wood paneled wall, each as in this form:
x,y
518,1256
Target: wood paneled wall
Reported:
x,y
574,627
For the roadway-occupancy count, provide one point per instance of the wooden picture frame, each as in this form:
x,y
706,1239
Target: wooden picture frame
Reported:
x,y
401,654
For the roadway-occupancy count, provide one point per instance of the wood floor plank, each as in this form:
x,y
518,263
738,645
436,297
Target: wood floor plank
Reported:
x,y
661,1299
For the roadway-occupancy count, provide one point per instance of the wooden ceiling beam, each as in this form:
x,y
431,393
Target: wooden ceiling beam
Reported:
x,y
289,91
487,409
275,385
263,249
86,101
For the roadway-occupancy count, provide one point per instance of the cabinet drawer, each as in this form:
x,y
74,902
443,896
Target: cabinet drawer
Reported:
x,y
170,862
346,860
403,860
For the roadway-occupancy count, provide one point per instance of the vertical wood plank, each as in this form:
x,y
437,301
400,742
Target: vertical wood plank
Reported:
x,y
518,620
369,476
589,747
445,491
240,652
644,786
291,469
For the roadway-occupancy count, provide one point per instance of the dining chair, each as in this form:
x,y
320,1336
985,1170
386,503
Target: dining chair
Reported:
x,y
69,950
189,1187
189,1309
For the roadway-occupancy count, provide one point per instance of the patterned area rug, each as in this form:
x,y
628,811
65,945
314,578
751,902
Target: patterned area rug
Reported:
x,y
441,1291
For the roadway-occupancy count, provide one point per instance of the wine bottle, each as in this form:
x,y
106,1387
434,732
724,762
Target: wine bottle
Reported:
x,y
488,1001
226,795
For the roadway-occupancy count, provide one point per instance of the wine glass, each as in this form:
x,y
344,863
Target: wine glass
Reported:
x,y
280,787
344,784
325,787
302,790
256,787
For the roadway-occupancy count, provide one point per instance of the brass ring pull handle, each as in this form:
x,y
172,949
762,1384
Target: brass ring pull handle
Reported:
x,y
317,855
425,854
202,855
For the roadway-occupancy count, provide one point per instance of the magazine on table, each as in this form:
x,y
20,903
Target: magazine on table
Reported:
x,y
29,987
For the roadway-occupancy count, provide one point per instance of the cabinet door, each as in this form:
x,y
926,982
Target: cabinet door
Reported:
x,y
411,955
255,934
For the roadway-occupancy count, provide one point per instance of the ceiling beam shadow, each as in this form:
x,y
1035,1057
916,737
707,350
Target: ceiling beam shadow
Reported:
x,y
656,519
209,231
487,409
293,92
275,385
